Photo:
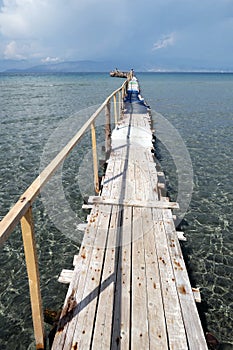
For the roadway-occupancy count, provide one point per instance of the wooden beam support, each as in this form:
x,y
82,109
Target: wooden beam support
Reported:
x,y
119,102
181,236
134,203
66,276
95,158
33,277
115,109
196,294
107,129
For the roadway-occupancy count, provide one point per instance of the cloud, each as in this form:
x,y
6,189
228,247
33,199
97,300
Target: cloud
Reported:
x,y
74,30
165,41
12,51
89,30
51,60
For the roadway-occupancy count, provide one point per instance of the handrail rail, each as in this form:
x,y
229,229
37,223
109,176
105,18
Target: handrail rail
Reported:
x,y
21,212
12,218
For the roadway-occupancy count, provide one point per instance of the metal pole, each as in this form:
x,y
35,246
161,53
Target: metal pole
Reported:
x,y
33,277
95,158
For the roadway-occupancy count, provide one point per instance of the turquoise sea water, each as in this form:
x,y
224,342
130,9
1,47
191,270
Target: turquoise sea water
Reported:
x,y
200,108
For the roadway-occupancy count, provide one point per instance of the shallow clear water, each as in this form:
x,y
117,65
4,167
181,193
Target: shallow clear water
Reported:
x,y
33,107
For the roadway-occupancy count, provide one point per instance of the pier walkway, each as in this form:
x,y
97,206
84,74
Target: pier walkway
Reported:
x,y
130,288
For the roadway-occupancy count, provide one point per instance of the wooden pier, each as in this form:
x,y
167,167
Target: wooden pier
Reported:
x,y
129,288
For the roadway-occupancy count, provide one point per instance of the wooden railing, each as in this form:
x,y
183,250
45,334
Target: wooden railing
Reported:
x,y
22,210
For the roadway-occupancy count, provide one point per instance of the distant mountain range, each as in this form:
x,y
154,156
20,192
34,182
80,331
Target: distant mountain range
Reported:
x,y
68,66
24,66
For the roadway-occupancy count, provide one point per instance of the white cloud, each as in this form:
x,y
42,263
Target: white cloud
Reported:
x,y
73,30
51,59
12,51
165,41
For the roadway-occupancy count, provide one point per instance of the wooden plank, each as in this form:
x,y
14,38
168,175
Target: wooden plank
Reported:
x,y
156,319
75,260
82,227
196,338
122,303
139,322
156,316
121,317
145,178
65,276
174,321
87,206
104,315
197,295
132,202
69,313
103,324
87,303
180,235
124,268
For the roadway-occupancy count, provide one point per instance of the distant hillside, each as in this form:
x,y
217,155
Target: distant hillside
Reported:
x,y
6,65
69,66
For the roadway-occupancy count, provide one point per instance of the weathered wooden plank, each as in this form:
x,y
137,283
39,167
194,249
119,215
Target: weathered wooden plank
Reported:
x,y
112,184
197,295
121,319
68,318
140,327
88,301
174,321
66,276
146,177
82,226
132,202
180,235
103,324
196,338
87,206
156,315
125,280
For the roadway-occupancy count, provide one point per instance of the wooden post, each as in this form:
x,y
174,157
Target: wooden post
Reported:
x,y
119,99
107,129
95,158
115,109
123,92
33,277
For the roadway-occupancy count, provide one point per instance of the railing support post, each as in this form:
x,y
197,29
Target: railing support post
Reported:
x,y
108,129
115,109
95,158
33,277
119,99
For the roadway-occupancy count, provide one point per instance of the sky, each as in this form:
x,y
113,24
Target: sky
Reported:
x,y
150,34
